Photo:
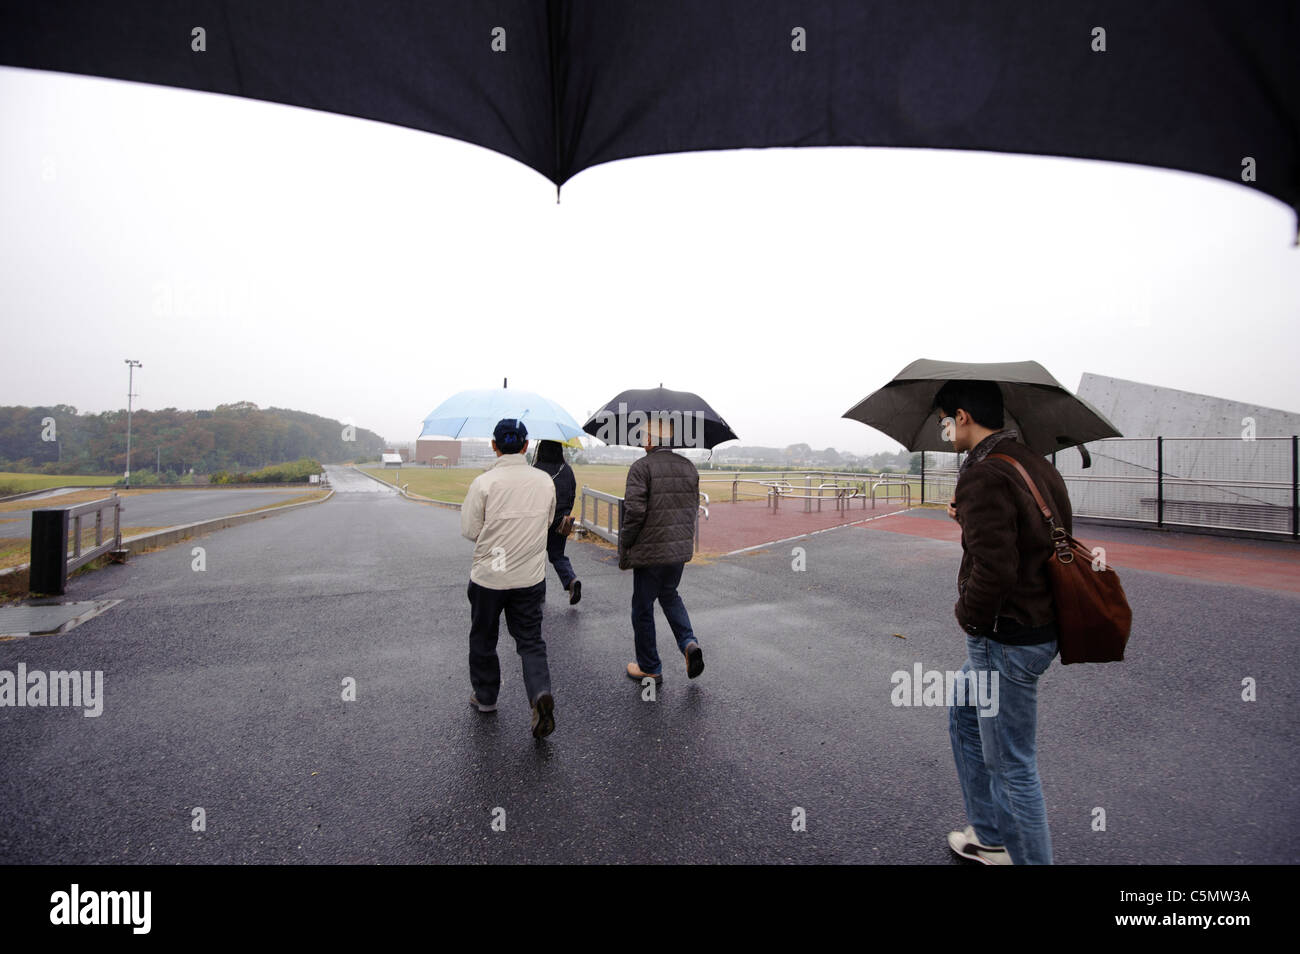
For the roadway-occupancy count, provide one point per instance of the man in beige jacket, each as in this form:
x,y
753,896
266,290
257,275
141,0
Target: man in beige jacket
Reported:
x,y
506,513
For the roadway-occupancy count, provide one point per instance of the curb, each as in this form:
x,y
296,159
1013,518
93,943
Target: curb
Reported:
x,y
409,496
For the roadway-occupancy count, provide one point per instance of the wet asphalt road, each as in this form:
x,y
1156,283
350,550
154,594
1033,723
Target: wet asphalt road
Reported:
x,y
223,692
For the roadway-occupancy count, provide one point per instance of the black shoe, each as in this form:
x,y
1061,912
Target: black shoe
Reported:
x,y
694,660
575,591
543,716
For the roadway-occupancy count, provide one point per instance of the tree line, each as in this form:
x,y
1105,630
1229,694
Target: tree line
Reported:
x,y
236,437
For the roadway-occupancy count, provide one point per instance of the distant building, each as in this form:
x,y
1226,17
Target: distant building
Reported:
x,y
436,452
477,453
391,460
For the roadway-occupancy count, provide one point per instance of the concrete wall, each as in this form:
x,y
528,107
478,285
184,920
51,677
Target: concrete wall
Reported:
x,y
1147,410
1207,482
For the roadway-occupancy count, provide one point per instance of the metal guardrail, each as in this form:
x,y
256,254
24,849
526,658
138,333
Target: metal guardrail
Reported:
x,y
703,510
597,497
608,531
1246,484
842,492
737,490
50,561
889,484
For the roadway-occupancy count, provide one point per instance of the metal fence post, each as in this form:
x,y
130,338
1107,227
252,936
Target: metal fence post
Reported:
x,y
1160,481
1295,485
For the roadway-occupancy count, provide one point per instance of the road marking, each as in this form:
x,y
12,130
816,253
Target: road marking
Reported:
x,y
813,533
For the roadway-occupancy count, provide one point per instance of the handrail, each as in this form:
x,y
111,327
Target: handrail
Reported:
x,y
735,483
612,501
887,483
598,497
50,561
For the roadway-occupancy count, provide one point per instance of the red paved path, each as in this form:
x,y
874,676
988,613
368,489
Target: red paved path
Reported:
x,y
1267,564
736,526
1273,565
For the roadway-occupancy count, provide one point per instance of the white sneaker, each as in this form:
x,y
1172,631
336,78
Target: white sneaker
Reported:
x,y
965,844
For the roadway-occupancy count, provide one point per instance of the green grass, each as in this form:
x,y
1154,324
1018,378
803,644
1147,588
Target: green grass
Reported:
x,y
11,483
452,483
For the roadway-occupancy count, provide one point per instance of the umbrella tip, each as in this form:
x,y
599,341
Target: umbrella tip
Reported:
x,y
503,382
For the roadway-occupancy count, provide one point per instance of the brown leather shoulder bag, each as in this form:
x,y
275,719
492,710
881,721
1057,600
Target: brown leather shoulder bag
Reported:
x,y
1093,617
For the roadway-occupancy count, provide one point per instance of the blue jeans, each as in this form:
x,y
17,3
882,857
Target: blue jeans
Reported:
x,y
650,583
997,762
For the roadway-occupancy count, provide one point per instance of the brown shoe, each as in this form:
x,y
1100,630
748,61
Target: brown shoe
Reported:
x,y
634,672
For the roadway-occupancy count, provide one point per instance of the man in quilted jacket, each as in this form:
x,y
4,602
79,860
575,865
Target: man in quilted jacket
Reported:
x,y
656,539
1006,610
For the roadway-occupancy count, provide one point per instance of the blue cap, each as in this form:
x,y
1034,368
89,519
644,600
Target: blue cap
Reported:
x,y
510,432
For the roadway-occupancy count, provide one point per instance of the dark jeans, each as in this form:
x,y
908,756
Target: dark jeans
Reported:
x,y
650,583
555,553
523,609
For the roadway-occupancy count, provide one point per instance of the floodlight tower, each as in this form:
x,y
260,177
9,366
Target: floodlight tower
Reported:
x,y
130,387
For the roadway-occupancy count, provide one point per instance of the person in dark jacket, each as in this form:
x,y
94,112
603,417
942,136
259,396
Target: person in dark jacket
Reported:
x,y
656,539
550,458
1006,610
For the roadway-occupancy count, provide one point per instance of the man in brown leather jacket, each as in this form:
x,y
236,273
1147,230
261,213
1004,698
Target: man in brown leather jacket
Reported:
x,y
1005,607
656,538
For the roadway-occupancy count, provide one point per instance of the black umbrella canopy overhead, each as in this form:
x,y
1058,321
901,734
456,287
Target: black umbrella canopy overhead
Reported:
x,y
1204,86
1048,417
624,418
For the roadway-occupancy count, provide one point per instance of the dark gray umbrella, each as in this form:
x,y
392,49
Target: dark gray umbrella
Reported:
x,y
695,423
562,85
1048,416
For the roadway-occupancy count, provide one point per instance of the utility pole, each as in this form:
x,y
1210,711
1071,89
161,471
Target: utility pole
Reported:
x,y
131,364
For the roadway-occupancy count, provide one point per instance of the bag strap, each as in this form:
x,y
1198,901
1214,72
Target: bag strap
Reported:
x,y
1033,487
1060,538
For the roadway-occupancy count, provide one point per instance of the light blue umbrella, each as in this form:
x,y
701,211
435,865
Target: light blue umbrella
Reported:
x,y
475,413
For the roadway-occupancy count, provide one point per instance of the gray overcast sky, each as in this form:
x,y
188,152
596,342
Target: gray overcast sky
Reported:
x,y
249,251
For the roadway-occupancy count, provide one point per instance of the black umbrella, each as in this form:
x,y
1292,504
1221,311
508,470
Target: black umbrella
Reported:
x,y
562,85
1048,416
695,424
